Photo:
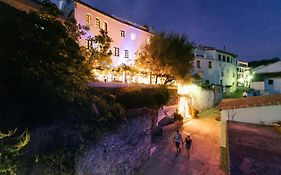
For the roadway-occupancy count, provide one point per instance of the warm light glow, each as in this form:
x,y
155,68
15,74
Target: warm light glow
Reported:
x,y
188,89
183,107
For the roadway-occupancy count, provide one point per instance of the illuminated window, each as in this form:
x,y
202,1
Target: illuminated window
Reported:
x,y
133,36
122,33
88,44
198,64
126,54
88,20
116,51
210,64
97,23
105,26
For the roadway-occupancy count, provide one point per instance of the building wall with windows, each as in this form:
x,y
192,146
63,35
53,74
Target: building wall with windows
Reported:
x,y
216,67
243,74
127,38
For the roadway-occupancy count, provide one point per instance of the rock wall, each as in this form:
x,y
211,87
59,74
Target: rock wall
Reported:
x,y
120,152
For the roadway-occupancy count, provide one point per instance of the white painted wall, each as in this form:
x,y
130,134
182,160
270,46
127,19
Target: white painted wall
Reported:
x,y
264,115
274,88
113,27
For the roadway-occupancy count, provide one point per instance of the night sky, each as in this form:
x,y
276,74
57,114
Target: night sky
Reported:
x,y
249,28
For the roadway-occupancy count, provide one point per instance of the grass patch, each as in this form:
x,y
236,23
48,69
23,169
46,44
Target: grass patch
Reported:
x,y
210,112
223,159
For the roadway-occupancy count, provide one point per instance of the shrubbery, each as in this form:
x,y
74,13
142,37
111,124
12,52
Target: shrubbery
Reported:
x,y
142,97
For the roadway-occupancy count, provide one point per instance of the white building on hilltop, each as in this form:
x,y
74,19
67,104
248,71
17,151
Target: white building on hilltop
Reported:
x,y
127,37
243,74
216,67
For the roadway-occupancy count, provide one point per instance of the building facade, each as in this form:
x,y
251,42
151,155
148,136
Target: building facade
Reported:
x,y
216,67
127,37
243,74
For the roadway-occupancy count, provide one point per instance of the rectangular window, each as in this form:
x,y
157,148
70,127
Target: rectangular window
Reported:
x,y
228,59
88,20
223,58
97,23
89,44
198,64
220,82
126,54
105,26
122,33
207,82
219,57
210,64
116,51
270,82
222,73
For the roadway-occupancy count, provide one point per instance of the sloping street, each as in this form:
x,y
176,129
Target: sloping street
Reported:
x,y
205,155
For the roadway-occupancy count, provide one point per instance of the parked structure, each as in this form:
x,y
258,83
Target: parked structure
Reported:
x,y
216,67
268,78
243,74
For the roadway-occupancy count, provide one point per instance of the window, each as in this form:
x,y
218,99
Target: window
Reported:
x,y
207,82
105,26
222,73
220,82
88,20
97,23
223,58
270,81
198,64
116,51
122,33
228,59
210,64
126,54
219,57
89,44
233,75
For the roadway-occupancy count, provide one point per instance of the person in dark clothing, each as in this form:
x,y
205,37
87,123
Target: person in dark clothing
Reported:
x,y
188,145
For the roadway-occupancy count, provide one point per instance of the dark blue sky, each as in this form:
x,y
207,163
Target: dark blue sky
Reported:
x,y
249,28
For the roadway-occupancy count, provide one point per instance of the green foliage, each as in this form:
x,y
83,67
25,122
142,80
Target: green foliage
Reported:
x,y
10,150
167,55
60,162
254,64
142,97
42,71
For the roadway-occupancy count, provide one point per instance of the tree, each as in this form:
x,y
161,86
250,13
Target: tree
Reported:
x,y
10,150
43,74
167,55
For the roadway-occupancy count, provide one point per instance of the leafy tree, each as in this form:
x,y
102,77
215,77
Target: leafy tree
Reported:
x,y
10,150
168,55
43,74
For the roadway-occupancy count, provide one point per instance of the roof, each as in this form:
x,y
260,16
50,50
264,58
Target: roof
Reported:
x,y
271,68
253,149
115,17
213,48
248,102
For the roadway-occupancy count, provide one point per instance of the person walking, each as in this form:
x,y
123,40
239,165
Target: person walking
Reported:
x,y
188,145
178,140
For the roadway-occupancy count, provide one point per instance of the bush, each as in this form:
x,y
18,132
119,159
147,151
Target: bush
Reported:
x,y
142,97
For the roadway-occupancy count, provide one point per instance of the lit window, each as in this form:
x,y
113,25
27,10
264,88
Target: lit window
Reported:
x,y
133,36
126,54
116,51
88,44
88,20
198,64
105,26
122,33
97,23
210,64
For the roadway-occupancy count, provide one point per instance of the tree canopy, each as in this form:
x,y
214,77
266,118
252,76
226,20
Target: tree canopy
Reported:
x,y
168,55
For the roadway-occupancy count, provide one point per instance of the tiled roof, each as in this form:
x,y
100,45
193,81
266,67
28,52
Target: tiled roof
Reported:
x,y
250,102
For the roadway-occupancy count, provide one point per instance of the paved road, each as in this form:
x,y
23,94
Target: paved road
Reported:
x,y
205,155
